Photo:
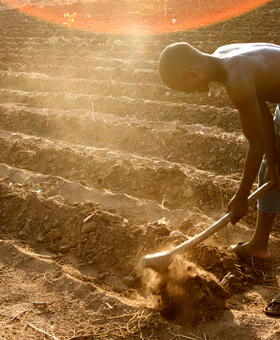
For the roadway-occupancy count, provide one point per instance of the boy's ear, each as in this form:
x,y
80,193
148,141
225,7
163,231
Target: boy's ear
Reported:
x,y
193,74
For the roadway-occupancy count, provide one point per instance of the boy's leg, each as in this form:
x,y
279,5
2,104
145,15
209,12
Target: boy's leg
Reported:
x,y
257,247
268,205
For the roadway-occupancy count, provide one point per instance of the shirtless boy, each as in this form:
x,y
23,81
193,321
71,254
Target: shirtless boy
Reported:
x,y
251,76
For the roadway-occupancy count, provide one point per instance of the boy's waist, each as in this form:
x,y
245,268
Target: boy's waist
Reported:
x,y
277,120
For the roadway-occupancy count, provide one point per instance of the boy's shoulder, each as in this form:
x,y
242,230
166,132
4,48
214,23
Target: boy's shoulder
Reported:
x,y
227,49
244,48
240,84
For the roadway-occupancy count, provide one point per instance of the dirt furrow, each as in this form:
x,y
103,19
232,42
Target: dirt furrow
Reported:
x,y
144,138
170,184
95,70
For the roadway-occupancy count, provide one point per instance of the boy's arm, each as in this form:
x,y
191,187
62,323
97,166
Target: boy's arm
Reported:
x,y
257,126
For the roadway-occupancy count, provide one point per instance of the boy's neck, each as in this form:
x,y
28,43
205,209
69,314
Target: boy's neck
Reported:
x,y
214,69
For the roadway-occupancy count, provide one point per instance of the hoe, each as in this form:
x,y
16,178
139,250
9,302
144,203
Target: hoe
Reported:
x,y
161,261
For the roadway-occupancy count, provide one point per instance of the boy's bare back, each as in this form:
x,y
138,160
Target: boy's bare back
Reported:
x,y
256,64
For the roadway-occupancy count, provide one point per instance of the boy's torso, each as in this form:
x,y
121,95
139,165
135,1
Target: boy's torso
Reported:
x,y
258,63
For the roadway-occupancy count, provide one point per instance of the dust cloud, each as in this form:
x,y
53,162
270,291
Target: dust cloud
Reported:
x,y
185,293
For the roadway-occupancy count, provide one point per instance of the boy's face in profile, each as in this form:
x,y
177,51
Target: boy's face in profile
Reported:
x,y
191,82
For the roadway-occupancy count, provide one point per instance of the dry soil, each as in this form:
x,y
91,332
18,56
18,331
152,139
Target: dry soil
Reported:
x,y
101,164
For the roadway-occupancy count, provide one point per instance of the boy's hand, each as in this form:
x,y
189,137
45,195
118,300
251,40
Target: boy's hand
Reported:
x,y
273,175
238,207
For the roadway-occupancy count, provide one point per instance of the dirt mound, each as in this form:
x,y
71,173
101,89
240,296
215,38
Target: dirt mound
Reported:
x,y
193,292
91,236
187,295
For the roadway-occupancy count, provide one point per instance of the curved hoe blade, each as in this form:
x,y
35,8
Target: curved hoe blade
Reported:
x,y
158,261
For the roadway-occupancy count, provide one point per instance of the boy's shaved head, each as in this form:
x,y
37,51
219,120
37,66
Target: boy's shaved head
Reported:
x,y
175,60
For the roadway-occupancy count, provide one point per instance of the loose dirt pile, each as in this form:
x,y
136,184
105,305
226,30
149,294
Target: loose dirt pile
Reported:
x,y
193,292
100,165
187,294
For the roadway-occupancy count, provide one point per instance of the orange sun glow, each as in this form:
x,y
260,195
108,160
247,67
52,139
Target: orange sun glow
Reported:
x,y
134,16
